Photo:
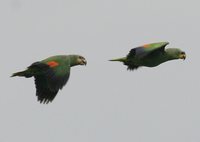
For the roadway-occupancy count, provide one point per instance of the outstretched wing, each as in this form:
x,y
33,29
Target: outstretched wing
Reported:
x,y
147,49
43,93
50,78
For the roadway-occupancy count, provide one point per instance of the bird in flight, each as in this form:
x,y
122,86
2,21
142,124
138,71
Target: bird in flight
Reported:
x,y
51,74
150,55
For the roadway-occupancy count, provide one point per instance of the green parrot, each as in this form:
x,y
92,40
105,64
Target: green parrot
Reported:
x,y
51,74
150,55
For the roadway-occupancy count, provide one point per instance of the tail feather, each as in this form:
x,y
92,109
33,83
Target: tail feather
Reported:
x,y
119,59
22,73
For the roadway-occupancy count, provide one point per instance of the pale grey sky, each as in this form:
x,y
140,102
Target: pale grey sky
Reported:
x,y
102,102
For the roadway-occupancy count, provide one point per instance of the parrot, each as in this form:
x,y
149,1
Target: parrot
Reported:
x,y
51,74
150,55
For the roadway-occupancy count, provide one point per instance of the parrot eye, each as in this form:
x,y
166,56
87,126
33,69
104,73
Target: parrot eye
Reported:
x,y
80,57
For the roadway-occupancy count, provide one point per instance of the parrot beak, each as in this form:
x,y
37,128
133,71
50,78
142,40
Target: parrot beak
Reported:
x,y
81,61
84,62
182,56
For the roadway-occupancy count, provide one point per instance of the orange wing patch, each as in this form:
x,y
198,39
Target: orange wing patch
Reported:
x,y
52,64
146,45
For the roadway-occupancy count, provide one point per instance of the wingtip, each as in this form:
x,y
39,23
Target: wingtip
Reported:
x,y
44,101
165,42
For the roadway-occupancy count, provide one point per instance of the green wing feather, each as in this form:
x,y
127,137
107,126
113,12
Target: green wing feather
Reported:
x,y
154,46
136,55
145,50
49,83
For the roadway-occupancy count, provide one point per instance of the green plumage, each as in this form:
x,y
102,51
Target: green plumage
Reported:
x,y
51,74
150,55
64,64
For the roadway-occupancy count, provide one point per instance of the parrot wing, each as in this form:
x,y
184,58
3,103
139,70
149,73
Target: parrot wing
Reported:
x,y
49,80
146,50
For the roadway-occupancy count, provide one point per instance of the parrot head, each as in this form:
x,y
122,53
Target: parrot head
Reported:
x,y
77,60
176,53
81,60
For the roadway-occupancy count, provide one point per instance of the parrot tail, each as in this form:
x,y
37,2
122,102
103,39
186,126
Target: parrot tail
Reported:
x,y
119,59
22,73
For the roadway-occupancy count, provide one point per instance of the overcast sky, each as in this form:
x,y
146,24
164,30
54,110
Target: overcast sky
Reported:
x,y
102,102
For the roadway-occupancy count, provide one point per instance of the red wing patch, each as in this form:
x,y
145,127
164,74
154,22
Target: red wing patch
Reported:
x,y
146,45
52,64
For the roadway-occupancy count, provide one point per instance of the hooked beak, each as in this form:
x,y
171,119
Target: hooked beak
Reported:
x,y
84,62
182,56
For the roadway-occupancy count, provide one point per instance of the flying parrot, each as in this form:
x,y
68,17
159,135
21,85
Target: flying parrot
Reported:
x,y
51,74
150,55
